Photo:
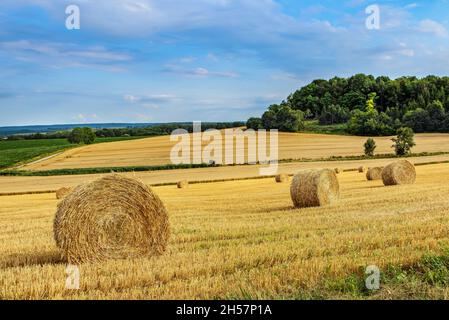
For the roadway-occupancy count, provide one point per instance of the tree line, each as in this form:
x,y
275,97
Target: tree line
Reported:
x,y
87,135
368,105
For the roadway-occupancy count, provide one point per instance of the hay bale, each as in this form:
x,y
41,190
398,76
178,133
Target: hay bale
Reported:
x,y
362,169
374,173
314,188
183,184
111,218
400,172
338,170
62,192
281,178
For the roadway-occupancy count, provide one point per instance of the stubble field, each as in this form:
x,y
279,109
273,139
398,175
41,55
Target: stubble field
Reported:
x,y
21,184
156,151
241,239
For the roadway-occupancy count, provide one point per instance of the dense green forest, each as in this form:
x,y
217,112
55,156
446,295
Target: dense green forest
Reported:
x,y
366,105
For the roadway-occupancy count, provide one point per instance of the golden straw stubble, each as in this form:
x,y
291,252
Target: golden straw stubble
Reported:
x,y
400,172
314,188
114,217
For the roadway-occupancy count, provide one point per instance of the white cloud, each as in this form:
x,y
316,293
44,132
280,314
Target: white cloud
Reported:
x,y
187,59
84,118
142,117
411,6
151,101
386,57
131,98
212,57
287,77
434,27
150,106
407,52
59,55
262,38
246,19
199,72
80,117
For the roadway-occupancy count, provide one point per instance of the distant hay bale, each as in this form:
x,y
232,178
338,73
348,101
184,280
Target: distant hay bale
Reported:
x,y
183,184
62,192
400,172
362,169
314,188
374,173
111,218
281,178
338,170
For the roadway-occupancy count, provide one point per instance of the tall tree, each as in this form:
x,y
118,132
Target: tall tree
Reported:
x,y
404,142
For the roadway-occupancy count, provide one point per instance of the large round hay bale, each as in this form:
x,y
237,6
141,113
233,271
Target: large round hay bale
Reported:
x,y
183,184
362,169
400,172
62,192
374,173
338,170
111,218
281,178
314,188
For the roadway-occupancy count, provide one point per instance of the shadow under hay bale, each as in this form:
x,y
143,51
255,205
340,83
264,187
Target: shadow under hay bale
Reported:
x,y
314,188
398,173
282,178
62,193
111,218
374,173
182,184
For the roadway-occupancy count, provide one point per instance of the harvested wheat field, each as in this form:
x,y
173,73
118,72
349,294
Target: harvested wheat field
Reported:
x,y
18,184
156,151
223,247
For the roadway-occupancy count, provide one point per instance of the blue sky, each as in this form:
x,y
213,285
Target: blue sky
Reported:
x,y
207,60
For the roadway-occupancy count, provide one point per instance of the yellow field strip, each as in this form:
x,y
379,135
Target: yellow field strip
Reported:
x,y
156,150
37,185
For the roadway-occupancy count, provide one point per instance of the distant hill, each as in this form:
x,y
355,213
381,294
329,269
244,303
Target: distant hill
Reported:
x,y
13,130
